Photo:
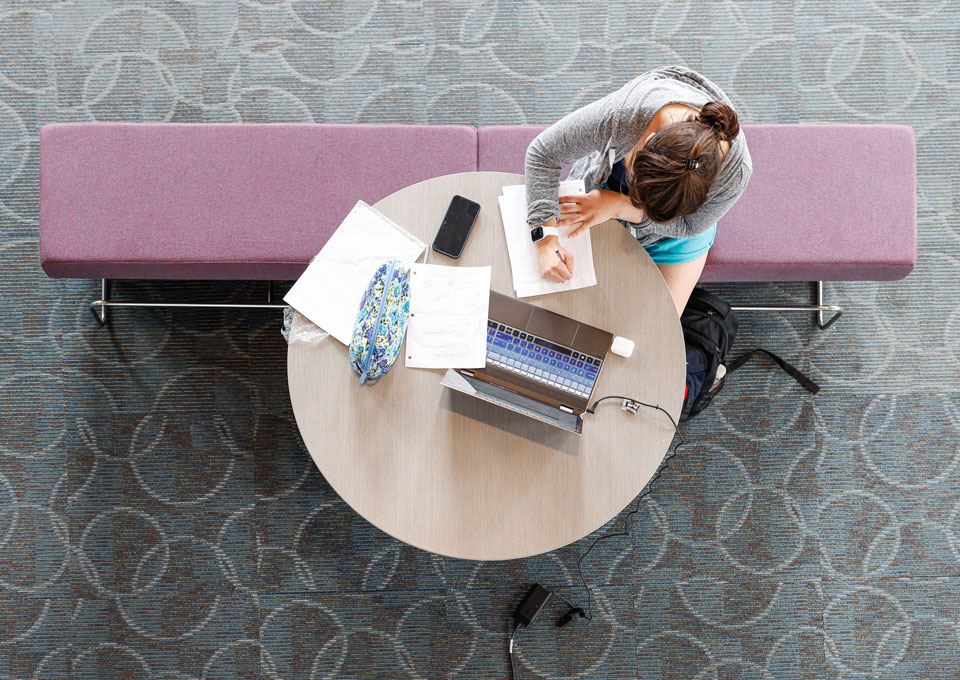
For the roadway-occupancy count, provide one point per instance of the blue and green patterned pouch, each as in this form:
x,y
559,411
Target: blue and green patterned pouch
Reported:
x,y
381,322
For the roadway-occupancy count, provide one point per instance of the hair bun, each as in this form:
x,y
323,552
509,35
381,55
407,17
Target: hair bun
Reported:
x,y
721,118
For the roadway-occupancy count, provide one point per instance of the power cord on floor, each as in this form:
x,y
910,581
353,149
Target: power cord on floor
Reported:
x,y
630,405
513,634
539,596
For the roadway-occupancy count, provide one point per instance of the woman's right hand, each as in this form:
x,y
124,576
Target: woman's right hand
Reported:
x,y
552,267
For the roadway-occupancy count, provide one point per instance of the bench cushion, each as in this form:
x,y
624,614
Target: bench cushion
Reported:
x,y
825,202
220,201
503,148
212,201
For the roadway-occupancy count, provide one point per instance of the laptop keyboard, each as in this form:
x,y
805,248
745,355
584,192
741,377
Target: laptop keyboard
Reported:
x,y
540,360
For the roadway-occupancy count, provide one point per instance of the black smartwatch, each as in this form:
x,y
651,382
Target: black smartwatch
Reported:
x,y
540,233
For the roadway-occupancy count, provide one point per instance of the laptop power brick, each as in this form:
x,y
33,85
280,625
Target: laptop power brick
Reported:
x,y
532,604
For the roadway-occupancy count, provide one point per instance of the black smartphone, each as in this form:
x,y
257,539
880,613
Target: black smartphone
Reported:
x,y
456,226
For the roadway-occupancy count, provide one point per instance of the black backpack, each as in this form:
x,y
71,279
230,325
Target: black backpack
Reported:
x,y
709,329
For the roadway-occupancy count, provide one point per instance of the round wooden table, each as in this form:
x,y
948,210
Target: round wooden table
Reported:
x,y
460,477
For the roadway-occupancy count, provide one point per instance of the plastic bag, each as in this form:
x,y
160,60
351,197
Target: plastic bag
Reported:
x,y
297,328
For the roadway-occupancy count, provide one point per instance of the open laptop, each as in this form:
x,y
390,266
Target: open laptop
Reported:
x,y
539,363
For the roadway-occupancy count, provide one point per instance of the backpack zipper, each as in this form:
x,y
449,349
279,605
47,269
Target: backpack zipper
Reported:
x,y
705,340
726,337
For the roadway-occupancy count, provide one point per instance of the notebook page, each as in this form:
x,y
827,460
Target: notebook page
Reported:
x,y
523,252
448,317
328,293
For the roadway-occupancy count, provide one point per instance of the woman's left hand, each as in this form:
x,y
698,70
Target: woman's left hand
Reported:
x,y
588,210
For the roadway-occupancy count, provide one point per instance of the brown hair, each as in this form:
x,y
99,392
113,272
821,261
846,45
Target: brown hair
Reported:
x,y
662,183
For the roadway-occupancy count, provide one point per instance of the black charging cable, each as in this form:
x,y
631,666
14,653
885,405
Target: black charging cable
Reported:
x,y
513,634
538,596
625,531
531,605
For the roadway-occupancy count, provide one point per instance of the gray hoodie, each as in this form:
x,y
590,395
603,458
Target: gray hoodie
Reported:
x,y
598,135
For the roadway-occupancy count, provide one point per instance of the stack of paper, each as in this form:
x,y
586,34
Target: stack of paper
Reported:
x,y
329,291
523,252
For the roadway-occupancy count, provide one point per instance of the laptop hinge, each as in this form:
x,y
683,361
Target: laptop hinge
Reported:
x,y
566,409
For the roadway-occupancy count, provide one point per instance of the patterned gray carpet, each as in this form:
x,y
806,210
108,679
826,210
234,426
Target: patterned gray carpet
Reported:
x,y
160,518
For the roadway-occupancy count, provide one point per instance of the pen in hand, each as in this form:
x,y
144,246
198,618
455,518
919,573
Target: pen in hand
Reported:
x,y
560,255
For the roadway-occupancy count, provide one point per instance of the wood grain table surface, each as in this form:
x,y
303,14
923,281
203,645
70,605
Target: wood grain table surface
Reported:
x,y
460,477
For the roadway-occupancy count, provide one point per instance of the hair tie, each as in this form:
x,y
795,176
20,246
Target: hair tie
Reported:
x,y
691,164
715,128
714,125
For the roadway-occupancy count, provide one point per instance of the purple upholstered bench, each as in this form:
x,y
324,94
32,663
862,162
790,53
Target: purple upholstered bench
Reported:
x,y
825,203
212,201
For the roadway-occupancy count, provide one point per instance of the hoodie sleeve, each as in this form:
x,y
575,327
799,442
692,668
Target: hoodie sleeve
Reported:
x,y
580,133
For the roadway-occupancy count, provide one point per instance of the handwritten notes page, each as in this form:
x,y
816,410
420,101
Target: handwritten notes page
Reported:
x,y
328,293
448,316
523,252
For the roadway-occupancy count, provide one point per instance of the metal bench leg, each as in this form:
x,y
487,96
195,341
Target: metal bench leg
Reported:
x,y
99,307
819,308
824,326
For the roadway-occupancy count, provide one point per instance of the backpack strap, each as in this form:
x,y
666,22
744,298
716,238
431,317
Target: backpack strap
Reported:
x,y
806,382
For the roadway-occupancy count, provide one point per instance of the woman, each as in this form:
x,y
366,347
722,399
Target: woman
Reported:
x,y
663,154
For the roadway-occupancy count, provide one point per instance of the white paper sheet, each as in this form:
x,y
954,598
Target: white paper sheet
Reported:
x,y
523,252
328,293
448,317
